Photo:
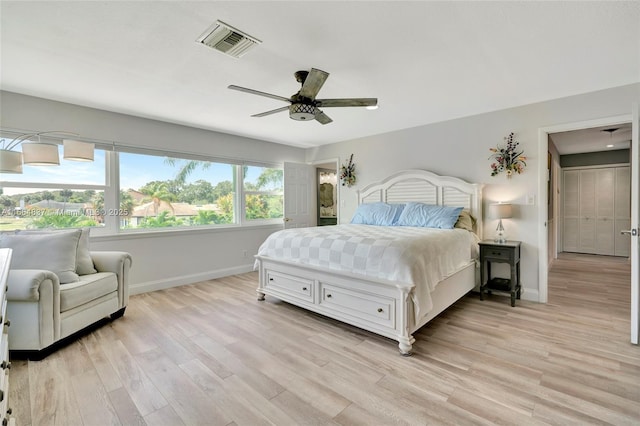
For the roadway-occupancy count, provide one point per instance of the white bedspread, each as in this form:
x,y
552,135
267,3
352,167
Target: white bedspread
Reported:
x,y
419,256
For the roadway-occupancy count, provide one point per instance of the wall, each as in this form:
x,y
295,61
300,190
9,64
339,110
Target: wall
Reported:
x,y
162,259
461,148
619,156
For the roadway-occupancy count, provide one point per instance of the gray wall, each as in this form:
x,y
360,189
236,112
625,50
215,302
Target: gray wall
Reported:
x,y
618,156
171,258
461,148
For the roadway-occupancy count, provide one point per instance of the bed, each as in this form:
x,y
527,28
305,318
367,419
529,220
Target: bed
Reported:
x,y
380,284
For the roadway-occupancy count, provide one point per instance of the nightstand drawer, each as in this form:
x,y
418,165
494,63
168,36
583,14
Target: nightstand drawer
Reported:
x,y
494,252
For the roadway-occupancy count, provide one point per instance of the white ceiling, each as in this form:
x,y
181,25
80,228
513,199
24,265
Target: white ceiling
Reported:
x,y
425,61
605,138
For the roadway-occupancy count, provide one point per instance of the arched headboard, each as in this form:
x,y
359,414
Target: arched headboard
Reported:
x,y
429,188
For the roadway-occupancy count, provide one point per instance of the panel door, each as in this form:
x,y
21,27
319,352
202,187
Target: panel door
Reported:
x,y
622,211
571,210
587,237
605,197
298,200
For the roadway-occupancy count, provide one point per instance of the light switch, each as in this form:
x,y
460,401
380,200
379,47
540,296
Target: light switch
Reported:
x,y
531,199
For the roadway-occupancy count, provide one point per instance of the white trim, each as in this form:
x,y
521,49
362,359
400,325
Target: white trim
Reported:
x,y
543,148
187,279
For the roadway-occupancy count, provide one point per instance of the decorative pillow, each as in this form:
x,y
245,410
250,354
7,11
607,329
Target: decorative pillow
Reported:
x,y
84,263
381,214
55,252
465,221
429,216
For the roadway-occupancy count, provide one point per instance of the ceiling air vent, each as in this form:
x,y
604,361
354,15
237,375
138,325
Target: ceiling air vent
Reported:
x,y
227,39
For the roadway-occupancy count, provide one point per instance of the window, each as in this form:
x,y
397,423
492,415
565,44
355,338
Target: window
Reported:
x,y
162,192
152,191
61,196
263,193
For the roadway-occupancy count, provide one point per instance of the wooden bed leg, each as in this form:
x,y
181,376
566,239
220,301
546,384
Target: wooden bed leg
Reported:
x,y
260,296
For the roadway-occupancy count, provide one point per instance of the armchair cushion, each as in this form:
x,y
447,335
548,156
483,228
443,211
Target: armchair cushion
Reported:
x,y
55,252
90,287
84,263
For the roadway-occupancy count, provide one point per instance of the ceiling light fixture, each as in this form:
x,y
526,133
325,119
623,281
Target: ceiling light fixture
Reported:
x,y
302,112
38,153
610,131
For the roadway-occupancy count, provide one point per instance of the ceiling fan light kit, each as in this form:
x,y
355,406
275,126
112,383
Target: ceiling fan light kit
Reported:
x,y
302,112
304,105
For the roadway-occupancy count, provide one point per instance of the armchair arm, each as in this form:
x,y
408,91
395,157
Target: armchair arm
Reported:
x,y
118,262
33,292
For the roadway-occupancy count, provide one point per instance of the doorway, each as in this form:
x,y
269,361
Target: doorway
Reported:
x,y
549,234
327,209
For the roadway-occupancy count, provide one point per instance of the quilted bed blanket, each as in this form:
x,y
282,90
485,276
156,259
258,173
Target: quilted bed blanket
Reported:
x,y
422,257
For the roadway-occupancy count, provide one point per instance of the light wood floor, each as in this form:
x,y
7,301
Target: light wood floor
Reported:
x,y
210,354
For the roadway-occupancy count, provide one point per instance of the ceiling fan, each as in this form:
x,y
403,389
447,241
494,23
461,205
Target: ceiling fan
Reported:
x,y
303,105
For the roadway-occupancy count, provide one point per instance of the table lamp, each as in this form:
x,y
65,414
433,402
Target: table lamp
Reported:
x,y
501,211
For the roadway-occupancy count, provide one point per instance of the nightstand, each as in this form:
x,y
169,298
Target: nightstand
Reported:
x,y
492,252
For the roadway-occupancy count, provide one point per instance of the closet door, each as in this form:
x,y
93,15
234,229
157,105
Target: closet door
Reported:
x,y
605,197
571,210
587,233
622,211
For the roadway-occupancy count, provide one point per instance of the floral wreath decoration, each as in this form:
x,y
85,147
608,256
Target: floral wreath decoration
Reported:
x,y
508,159
348,173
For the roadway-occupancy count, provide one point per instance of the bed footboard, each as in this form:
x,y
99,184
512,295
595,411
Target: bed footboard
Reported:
x,y
374,305
379,306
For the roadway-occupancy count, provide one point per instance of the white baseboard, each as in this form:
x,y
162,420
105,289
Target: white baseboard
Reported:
x,y
148,286
530,294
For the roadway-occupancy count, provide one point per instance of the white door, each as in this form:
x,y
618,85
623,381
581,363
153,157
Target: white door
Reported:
x,y
635,226
299,195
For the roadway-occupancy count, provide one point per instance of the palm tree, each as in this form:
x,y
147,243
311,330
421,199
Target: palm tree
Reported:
x,y
158,192
65,194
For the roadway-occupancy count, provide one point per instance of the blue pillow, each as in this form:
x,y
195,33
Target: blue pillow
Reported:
x,y
381,214
429,216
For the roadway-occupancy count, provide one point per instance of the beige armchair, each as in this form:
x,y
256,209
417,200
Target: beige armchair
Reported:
x,y
45,313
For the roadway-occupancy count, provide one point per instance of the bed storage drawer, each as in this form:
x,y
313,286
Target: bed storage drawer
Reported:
x,y
370,307
298,287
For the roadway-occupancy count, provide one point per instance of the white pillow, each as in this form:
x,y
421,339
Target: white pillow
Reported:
x,y
84,262
55,252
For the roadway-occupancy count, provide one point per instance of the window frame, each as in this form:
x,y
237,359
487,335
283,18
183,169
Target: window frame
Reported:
x,y
111,190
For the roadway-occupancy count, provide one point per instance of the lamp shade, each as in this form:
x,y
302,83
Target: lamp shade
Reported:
x,y
501,210
10,161
40,154
78,151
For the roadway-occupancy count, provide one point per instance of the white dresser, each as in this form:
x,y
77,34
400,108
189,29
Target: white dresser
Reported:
x,y
5,365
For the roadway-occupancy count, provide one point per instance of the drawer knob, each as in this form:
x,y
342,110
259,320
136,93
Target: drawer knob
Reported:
x,y
380,310
328,296
304,289
6,365
9,411
270,279
7,323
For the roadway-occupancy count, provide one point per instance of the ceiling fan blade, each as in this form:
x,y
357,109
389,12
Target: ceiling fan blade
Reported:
x,y
322,117
273,111
347,102
313,83
256,92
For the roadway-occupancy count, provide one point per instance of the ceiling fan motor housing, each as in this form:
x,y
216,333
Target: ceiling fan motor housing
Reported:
x,y
302,112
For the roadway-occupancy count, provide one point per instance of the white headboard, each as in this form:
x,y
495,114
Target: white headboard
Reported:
x,y
426,187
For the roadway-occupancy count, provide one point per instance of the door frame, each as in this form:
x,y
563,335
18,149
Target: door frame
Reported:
x,y
543,148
